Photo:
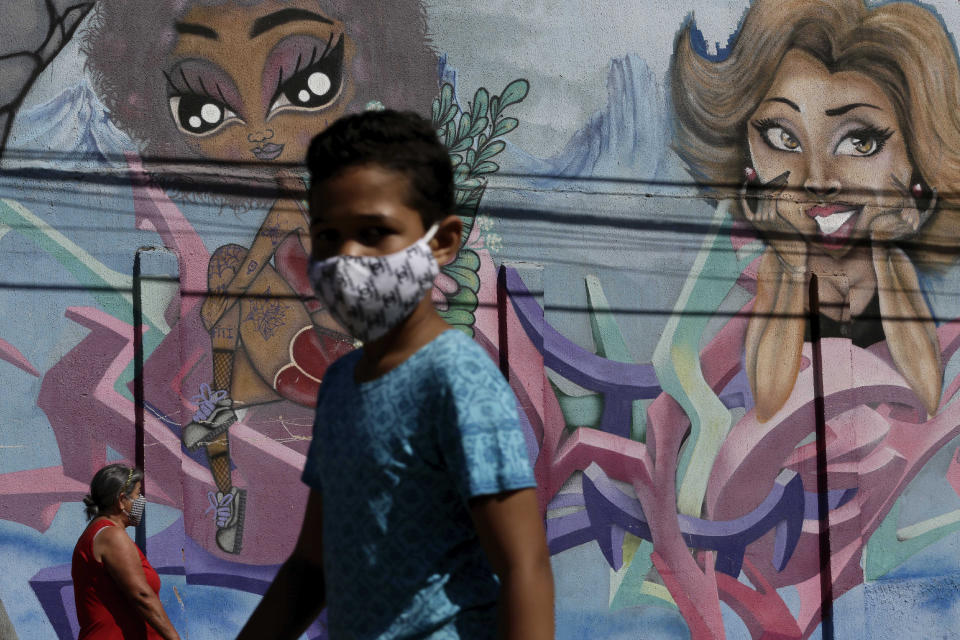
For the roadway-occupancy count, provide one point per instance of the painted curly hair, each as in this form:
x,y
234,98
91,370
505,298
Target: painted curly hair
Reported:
x,y
128,42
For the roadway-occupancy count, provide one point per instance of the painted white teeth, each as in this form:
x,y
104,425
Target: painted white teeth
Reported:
x,y
830,224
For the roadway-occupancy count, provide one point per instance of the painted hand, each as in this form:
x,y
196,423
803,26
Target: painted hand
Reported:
x,y
214,307
904,218
759,202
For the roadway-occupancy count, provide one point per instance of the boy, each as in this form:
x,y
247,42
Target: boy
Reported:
x,y
421,489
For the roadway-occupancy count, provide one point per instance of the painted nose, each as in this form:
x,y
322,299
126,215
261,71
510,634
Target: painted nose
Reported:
x,y
259,136
819,183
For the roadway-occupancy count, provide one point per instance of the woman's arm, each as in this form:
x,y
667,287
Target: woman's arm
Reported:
x,y
510,530
908,324
297,594
119,555
774,338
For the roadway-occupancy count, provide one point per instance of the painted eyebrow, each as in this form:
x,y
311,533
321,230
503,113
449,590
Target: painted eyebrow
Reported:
x,y
184,28
789,103
839,111
277,18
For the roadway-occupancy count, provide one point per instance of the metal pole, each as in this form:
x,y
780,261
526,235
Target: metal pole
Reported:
x,y
138,393
823,505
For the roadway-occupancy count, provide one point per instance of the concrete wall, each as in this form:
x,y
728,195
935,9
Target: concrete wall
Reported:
x,y
646,299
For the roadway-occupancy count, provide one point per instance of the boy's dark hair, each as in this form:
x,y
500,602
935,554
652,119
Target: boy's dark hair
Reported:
x,y
398,140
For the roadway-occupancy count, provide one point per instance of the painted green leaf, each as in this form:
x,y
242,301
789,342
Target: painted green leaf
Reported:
x,y
464,127
449,135
481,100
515,92
505,126
494,107
462,145
485,167
451,112
491,150
455,159
478,126
471,157
435,112
446,98
470,183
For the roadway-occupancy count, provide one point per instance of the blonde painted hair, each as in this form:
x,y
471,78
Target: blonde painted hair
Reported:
x,y
902,47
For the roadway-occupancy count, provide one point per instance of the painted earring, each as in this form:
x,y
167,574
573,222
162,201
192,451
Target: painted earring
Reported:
x,y
751,174
917,190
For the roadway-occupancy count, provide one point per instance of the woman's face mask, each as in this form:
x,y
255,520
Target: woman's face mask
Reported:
x,y
370,295
135,514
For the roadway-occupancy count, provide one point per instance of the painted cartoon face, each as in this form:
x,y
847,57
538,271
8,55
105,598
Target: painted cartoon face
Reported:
x,y
256,83
838,136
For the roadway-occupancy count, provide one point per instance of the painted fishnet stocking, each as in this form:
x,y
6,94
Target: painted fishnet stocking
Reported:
x,y
222,369
218,456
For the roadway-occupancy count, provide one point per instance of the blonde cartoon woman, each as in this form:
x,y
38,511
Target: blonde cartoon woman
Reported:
x,y
834,128
248,83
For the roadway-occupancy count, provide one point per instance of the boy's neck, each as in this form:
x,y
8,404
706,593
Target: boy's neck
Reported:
x,y
401,342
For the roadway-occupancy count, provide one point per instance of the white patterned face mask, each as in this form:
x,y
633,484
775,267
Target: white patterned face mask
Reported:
x,y
369,295
136,510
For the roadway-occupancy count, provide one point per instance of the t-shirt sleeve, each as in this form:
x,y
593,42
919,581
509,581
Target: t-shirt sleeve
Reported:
x,y
479,431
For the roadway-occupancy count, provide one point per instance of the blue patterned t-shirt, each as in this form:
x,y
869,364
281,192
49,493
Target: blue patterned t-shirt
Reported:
x,y
396,460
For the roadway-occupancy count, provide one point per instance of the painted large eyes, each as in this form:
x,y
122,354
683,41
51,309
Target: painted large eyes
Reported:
x,y
864,143
313,87
199,115
781,139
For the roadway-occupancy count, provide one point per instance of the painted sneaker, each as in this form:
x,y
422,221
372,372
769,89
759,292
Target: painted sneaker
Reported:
x,y
202,432
228,510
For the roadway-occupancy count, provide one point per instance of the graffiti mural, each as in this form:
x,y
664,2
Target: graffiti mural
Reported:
x,y
714,250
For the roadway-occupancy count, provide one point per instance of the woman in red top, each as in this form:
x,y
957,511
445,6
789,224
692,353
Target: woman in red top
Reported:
x,y
113,583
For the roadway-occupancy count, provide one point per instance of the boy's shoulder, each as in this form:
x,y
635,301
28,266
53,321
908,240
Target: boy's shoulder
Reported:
x,y
457,358
453,348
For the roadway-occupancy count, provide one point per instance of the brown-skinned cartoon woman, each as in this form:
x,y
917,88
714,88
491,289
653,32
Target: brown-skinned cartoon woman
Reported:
x,y
840,122
249,83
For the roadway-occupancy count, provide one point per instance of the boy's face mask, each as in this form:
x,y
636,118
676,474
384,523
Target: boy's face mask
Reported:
x,y
369,295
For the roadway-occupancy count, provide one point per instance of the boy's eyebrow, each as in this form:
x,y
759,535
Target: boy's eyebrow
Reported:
x,y
277,18
375,218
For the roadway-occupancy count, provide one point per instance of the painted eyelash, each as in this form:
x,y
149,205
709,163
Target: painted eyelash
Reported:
x,y
765,124
314,58
180,91
871,132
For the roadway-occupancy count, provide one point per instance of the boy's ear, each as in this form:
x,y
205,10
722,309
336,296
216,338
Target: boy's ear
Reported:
x,y
446,242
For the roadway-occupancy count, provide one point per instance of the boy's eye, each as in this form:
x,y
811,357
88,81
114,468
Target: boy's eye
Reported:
x,y
373,234
314,86
199,115
325,236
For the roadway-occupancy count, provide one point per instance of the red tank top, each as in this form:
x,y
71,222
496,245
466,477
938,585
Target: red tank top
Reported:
x,y
103,611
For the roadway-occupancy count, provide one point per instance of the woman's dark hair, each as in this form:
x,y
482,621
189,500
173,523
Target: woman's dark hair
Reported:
x,y
398,140
106,486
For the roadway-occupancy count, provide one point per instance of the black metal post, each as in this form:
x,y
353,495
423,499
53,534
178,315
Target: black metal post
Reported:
x,y
138,393
823,504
